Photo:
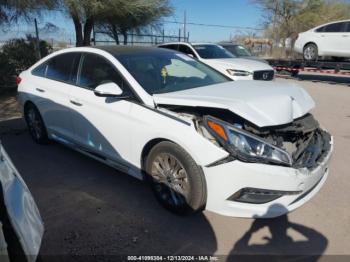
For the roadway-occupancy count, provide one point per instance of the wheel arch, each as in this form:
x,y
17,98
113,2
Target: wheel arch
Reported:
x,y
308,43
148,147
27,103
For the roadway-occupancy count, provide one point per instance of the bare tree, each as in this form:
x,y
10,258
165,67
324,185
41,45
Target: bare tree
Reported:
x,y
138,16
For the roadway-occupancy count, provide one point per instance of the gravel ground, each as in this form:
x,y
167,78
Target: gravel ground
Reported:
x,y
91,209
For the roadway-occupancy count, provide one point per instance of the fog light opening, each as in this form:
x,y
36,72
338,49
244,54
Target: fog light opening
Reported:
x,y
259,196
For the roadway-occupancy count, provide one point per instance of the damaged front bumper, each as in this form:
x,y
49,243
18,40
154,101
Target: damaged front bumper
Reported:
x,y
260,191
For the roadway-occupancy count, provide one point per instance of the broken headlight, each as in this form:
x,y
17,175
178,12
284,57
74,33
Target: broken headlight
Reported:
x,y
245,146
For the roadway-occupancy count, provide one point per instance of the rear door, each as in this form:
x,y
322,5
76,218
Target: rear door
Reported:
x,y
58,76
101,123
332,41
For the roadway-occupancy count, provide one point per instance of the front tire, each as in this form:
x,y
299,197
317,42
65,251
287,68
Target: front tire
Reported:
x,y
36,125
310,52
177,181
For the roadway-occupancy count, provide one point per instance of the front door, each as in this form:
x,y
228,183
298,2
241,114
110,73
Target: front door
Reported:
x,y
101,123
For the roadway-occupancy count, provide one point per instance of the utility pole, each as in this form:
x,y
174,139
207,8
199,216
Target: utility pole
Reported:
x,y
37,43
185,25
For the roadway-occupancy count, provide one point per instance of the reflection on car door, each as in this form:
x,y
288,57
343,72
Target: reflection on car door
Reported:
x,y
101,123
60,73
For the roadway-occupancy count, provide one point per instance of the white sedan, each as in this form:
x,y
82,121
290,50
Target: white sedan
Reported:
x,y
332,39
201,140
21,226
224,61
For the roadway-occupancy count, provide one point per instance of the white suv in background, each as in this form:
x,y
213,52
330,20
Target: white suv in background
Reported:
x,y
332,39
224,61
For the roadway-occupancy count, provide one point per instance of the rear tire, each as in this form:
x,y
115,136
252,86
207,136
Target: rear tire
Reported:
x,y
177,181
35,123
310,52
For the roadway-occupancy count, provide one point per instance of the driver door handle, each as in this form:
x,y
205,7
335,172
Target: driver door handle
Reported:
x,y
76,103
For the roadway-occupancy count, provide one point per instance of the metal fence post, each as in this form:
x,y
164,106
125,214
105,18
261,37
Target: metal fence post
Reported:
x,y
37,43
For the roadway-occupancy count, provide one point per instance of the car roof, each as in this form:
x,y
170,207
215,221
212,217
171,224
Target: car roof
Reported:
x,y
186,43
228,44
334,22
125,50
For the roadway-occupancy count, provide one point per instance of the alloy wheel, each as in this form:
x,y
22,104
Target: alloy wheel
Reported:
x,y
310,53
171,179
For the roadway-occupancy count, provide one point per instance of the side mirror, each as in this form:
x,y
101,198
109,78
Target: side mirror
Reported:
x,y
108,90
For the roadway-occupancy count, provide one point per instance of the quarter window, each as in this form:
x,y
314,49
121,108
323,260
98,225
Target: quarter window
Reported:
x,y
61,67
40,70
321,29
96,70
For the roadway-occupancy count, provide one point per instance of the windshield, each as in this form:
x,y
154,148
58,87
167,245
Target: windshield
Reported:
x,y
212,51
237,50
164,72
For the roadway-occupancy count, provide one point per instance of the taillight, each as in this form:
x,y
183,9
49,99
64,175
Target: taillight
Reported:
x,y
18,80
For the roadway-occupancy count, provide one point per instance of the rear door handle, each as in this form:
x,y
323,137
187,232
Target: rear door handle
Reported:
x,y
40,90
76,103
345,36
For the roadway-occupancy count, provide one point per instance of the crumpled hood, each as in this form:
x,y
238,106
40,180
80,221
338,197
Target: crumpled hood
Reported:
x,y
261,103
238,64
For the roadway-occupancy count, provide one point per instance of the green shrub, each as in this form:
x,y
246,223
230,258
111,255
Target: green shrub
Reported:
x,y
18,55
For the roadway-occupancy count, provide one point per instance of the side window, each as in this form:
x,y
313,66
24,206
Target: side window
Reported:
x,y
347,27
96,70
40,70
61,67
186,50
334,28
172,47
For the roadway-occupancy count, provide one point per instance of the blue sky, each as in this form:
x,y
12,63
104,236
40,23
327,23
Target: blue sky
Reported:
x,y
222,12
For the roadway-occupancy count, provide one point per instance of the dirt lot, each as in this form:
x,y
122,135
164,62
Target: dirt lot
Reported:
x,y
89,208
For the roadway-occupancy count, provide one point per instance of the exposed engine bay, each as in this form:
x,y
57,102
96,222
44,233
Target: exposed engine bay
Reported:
x,y
303,139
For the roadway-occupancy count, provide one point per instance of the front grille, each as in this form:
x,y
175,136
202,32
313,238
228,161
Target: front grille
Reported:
x,y
265,75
